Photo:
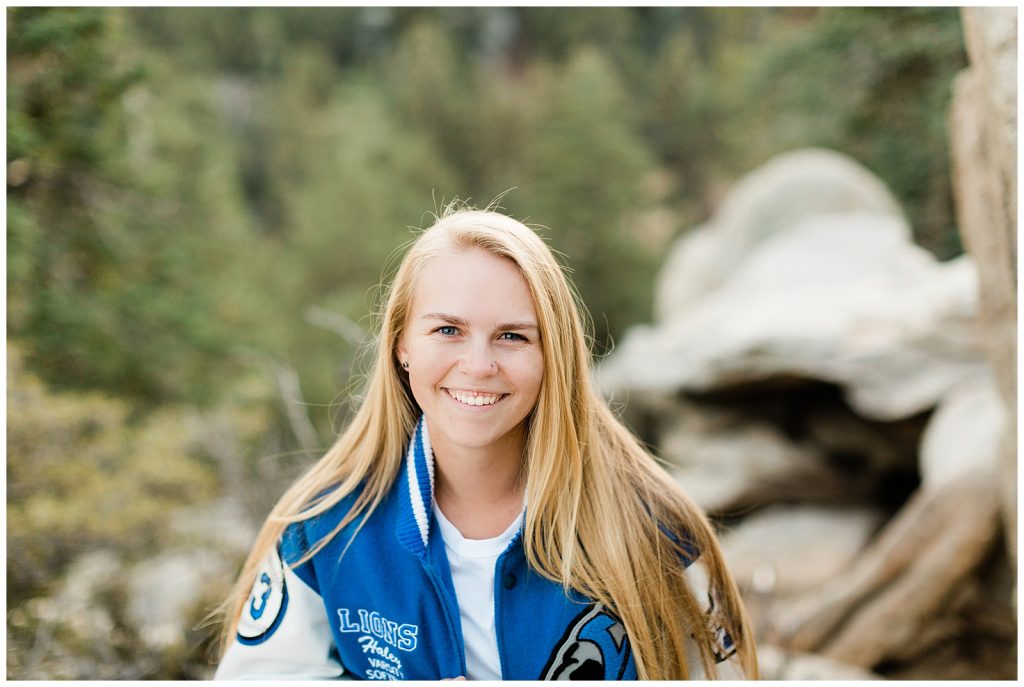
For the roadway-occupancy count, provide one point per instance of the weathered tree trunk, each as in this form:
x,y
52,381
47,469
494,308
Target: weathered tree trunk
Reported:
x,y
984,149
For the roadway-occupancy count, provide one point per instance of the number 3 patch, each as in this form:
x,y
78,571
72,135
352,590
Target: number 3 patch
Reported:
x,y
265,607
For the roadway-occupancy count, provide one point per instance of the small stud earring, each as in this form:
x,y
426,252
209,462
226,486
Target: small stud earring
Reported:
x,y
405,365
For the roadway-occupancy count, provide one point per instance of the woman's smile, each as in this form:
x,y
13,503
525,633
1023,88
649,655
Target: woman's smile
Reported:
x,y
474,398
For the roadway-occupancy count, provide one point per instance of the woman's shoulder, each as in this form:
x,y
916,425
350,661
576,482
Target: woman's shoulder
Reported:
x,y
325,512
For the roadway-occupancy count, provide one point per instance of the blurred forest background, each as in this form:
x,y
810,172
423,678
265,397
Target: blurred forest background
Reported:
x,y
201,203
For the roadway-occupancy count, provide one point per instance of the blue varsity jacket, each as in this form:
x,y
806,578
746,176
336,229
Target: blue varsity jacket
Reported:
x,y
387,608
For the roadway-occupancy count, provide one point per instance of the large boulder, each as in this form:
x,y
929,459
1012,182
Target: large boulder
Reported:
x,y
773,198
846,299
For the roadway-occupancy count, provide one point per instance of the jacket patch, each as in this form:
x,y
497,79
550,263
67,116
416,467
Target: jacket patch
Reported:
x,y
264,610
381,640
595,647
722,645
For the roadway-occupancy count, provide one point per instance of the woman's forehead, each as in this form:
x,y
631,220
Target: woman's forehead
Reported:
x,y
472,281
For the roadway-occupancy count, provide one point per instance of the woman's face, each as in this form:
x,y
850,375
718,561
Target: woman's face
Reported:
x,y
472,343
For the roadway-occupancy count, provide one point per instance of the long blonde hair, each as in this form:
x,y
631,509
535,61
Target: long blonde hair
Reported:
x,y
598,504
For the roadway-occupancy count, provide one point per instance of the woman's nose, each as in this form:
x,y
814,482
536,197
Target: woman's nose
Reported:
x,y
478,361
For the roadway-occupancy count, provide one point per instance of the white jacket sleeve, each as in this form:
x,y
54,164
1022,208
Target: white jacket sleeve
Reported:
x,y
283,633
728,665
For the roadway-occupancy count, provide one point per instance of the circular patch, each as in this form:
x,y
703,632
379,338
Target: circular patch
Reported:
x,y
265,607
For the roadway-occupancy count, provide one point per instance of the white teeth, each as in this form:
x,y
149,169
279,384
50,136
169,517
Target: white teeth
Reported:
x,y
474,399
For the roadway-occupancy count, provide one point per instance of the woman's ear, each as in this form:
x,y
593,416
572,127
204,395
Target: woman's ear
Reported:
x,y
400,353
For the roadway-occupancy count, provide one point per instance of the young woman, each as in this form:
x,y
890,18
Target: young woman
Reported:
x,y
485,515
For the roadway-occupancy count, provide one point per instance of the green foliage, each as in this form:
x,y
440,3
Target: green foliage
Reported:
x,y
583,179
557,32
66,75
102,262
683,118
83,473
872,82
365,179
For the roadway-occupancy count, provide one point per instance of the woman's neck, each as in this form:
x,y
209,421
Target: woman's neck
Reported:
x,y
479,491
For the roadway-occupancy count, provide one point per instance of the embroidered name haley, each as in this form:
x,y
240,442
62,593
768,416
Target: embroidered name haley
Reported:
x,y
373,623
380,668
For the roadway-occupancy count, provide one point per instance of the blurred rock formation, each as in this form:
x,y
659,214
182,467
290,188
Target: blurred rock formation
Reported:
x,y
821,385
840,296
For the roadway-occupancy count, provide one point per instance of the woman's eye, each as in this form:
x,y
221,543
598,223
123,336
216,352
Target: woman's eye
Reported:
x,y
447,331
512,336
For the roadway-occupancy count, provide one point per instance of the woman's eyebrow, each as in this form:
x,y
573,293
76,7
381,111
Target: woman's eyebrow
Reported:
x,y
517,325
453,319
450,319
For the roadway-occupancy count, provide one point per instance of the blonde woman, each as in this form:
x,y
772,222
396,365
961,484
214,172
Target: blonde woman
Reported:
x,y
485,515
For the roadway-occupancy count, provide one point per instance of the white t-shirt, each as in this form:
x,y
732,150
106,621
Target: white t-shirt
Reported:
x,y
472,564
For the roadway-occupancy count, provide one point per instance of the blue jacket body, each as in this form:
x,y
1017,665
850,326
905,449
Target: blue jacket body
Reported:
x,y
394,606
